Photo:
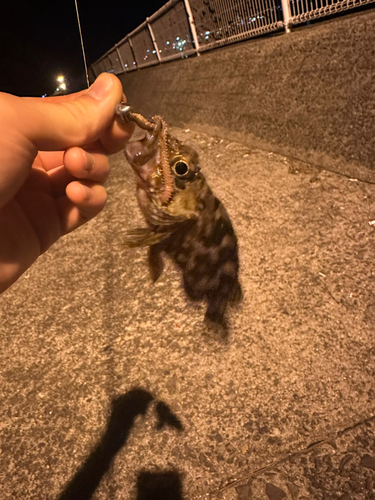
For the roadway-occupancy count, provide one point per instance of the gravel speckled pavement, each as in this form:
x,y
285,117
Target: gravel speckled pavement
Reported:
x,y
113,387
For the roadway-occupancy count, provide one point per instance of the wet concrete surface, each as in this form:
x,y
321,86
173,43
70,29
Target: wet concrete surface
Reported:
x,y
112,387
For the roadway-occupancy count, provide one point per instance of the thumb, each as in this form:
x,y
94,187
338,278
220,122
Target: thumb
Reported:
x,y
74,122
31,124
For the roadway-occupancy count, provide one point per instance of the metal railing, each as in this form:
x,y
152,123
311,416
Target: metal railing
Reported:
x,y
305,10
219,22
184,27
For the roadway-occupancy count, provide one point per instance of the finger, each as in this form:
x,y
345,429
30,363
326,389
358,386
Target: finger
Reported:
x,y
116,136
77,164
82,202
89,165
58,179
77,122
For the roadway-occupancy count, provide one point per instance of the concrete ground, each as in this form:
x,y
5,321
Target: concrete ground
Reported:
x,y
113,388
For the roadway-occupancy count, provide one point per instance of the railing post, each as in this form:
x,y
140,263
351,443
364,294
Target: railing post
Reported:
x,y
153,39
132,51
192,25
286,13
120,59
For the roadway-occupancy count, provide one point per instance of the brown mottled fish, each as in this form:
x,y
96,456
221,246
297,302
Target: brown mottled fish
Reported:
x,y
184,218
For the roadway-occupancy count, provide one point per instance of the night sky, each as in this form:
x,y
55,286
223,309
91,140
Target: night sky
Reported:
x,y
39,39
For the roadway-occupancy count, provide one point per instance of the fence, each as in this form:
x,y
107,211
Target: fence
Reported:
x,y
184,27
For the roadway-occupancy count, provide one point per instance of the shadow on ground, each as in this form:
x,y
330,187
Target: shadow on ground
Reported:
x,y
150,485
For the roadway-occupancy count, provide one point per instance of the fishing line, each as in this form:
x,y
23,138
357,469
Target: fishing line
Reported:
x,y
82,46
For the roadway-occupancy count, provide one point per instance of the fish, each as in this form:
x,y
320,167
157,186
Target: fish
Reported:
x,y
184,219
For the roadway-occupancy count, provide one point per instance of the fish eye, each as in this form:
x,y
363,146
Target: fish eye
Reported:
x,y
181,168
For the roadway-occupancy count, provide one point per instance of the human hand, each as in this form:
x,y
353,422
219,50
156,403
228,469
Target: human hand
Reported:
x,y
53,163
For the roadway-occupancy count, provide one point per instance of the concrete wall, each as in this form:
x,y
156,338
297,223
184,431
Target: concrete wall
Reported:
x,y
309,94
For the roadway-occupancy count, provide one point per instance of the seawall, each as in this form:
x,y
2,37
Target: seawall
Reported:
x,y
309,94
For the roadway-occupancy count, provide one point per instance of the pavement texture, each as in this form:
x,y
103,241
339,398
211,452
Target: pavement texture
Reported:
x,y
112,387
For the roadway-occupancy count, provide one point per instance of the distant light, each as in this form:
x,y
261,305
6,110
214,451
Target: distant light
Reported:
x,y
63,86
207,32
177,37
179,45
44,95
147,50
154,51
58,88
60,78
167,42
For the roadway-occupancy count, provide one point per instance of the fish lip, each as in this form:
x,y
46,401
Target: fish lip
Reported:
x,y
149,158
143,184
134,151
146,166
142,180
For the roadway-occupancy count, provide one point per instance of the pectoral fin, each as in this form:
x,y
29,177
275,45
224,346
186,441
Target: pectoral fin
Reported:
x,y
144,237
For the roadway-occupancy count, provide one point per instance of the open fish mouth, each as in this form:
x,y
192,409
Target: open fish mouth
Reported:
x,y
149,157
147,168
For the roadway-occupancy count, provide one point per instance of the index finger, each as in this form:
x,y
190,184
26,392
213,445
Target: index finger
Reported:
x,y
116,136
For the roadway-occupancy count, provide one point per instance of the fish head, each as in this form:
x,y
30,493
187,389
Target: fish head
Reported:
x,y
165,171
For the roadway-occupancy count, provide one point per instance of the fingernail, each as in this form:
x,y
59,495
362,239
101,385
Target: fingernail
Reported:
x,y
89,162
100,88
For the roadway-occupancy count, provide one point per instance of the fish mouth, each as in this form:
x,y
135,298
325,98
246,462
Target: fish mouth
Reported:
x,y
149,157
145,163
139,152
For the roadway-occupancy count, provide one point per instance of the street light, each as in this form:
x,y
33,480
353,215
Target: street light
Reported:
x,y
62,83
